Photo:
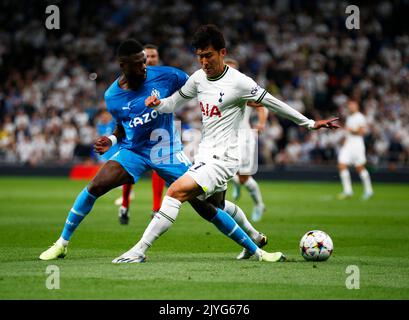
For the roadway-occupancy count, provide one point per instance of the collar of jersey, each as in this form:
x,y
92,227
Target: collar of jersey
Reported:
x,y
226,67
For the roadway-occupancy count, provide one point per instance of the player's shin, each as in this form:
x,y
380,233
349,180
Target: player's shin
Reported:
x,y
236,187
254,190
226,224
346,181
239,216
126,192
82,206
366,181
158,184
160,223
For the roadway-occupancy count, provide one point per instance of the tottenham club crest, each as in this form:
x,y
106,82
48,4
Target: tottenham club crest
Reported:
x,y
155,93
221,97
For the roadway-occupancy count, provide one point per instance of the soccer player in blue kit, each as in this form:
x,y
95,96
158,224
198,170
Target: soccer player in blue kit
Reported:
x,y
149,140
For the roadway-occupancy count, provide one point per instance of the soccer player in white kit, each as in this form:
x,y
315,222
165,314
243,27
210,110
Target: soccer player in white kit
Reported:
x,y
352,153
222,93
248,154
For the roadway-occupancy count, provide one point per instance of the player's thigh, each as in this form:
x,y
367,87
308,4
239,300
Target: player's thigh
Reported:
x,y
110,176
184,189
217,199
207,209
204,208
345,156
133,163
212,175
359,160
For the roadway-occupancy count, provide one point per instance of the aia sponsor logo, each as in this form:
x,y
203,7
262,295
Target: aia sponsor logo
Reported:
x,y
210,111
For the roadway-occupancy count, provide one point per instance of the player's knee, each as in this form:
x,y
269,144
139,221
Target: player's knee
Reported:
x,y
243,179
359,169
178,194
96,188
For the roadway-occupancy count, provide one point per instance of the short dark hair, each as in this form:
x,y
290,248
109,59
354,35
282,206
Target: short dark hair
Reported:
x,y
208,35
150,46
128,47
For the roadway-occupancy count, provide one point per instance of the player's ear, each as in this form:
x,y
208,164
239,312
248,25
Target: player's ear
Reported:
x,y
223,52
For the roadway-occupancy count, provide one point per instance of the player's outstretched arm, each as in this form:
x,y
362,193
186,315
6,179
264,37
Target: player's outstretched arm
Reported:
x,y
284,110
167,105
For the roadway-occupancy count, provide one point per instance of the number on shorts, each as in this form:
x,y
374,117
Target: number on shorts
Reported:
x,y
199,165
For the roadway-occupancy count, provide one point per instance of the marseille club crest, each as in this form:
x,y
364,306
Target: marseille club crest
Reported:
x,y
155,93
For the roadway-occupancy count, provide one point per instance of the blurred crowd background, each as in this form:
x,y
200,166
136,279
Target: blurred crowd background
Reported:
x,y
52,82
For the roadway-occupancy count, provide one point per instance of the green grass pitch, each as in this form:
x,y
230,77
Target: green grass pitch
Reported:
x,y
193,260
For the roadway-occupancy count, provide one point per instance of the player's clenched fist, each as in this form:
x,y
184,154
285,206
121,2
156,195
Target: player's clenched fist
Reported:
x,y
152,101
102,145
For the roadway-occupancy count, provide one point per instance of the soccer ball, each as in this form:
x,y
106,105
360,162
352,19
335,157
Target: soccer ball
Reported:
x,y
316,245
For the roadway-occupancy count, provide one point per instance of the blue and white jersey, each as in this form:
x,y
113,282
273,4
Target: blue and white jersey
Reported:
x,y
105,129
145,127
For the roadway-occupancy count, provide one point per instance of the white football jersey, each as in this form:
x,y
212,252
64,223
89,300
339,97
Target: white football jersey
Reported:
x,y
222,101
354,122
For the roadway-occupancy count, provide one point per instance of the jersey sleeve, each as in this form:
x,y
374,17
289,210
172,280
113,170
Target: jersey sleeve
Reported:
x,y
187,92
189,89
251,91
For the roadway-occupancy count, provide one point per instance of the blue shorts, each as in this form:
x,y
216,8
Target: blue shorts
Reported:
x,y
136,164
107,155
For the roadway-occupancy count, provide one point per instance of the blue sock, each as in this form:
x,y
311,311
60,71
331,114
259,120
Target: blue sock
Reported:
x,y
82,205
226,224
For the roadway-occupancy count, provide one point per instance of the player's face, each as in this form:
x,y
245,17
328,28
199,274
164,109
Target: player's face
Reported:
x,y
211,60
152,57
353,106
134,68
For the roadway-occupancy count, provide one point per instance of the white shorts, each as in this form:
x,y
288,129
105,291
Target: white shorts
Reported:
x,y
212,175
248,152
352,155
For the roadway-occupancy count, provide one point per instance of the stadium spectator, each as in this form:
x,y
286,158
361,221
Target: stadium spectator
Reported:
x,y
311,61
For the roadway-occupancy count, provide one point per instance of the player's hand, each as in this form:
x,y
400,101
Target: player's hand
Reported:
x,y
260,127
102,145
152,101
329,124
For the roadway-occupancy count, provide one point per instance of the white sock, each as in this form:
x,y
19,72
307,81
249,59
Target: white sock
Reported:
x,y
258,253
366,181
236,182
62,242
346,181
238,215
253,188
160,223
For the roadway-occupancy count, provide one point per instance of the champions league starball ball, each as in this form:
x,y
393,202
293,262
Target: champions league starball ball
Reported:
x,y
316,245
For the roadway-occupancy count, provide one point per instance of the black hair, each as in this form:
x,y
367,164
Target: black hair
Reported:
x,y
128,47
150,46
208,35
